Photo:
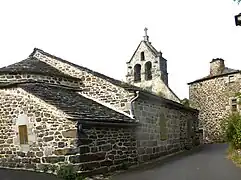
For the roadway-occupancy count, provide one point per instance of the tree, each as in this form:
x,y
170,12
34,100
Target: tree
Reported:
x,y
238,1
185,101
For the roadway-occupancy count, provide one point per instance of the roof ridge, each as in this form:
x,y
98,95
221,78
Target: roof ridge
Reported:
x,y
116,82
12,84
212,77
95,73
152,48
107,105
33,65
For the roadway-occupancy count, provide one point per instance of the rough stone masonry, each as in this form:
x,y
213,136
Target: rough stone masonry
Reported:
x,y
214,97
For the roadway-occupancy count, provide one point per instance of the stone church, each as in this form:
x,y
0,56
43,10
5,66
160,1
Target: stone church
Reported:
x,y
54,112
214,97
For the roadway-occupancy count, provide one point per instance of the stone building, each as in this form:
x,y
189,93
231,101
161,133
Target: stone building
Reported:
x,y
147,69
214,97
54,112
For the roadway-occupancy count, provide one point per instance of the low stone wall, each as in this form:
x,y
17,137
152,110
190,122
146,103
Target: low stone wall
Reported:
x,y
165,128
105,150
23,77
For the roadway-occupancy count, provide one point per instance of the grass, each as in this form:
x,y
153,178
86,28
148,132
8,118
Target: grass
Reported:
x,y
234,156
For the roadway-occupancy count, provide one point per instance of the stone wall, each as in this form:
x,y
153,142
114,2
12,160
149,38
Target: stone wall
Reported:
x,y
45,125
105,149
52,138
156,85
94,86
212,98
23,77
164,128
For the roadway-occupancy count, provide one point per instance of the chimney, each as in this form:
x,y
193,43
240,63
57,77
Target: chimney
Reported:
x,y
216,67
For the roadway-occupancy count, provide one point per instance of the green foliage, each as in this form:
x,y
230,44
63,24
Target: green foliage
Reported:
x,y
125,165
232,130
234,155
160,94
53,168
45,168
238,1
68,173
79,178
185,102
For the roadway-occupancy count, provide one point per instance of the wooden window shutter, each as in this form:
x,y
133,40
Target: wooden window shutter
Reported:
x,y
23,134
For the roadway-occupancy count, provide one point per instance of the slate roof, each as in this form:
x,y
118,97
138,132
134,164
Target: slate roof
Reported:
x,y
73,104
107,78
116,82
225,72
33,66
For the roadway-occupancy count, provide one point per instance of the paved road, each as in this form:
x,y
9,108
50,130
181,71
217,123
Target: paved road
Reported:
x,y
208,164
7,174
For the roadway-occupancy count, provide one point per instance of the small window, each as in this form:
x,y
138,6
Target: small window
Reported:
x,y
234,107
142,56
231,79
23,134
234,104
234,101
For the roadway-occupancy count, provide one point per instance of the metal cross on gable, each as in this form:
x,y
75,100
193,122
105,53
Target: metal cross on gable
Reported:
x,y
145,31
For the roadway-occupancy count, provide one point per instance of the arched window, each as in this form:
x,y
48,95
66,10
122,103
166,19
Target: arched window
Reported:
x,y
142,56
137,73
148,75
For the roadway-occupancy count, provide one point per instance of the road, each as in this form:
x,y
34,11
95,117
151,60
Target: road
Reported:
x,y
7,174
210,163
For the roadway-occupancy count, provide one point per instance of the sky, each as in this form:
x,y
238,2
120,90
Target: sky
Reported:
x,y
103,35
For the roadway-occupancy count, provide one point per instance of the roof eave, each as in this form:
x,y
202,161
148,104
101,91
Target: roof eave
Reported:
x,y
212,77
106,123
39,73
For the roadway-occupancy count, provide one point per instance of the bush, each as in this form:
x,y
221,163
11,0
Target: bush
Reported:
x,y
160,94
67,173
53,168
45,168
185,102
232,130
234,155
125,165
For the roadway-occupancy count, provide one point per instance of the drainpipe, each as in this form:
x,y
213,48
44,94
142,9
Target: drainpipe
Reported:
x,y
131,102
